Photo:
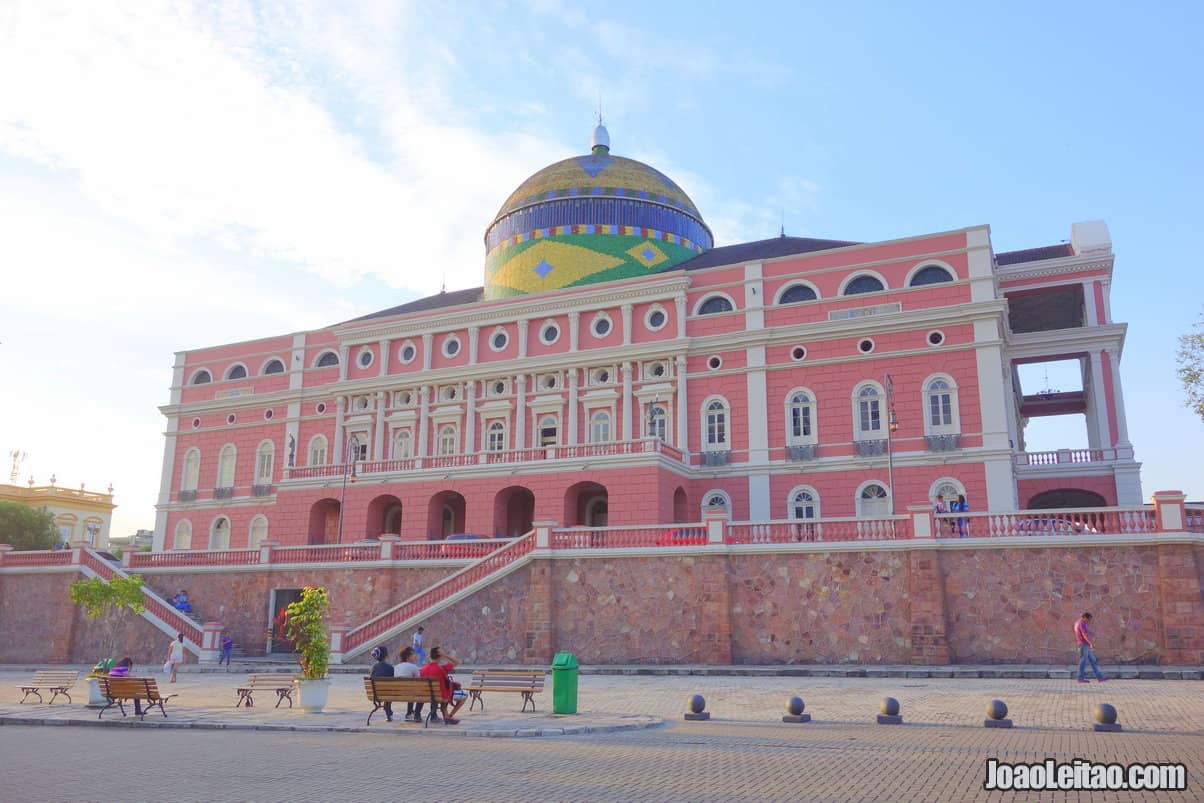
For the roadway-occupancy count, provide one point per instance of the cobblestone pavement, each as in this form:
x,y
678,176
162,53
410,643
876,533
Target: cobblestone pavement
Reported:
x,y
743,753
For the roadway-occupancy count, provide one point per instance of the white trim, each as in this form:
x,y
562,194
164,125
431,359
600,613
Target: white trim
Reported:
x,y
790,283
869,434
705,444
252,541
928,338
871,349
309,450
940,263
359,357
196,480
498,330
548,324
401,350
323,353
192,379
448,339
795,491
601,316
857,500
813,404
259,451
175,536
850,278
954,427
233,465
715,294
648,315
263,366
213,530
956,483
727,501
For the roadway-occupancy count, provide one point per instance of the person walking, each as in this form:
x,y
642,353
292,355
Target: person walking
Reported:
x,y
416,643
1082,637
227,649
175,656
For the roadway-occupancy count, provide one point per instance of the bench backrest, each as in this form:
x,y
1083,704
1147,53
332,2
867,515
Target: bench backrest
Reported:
x,y
53,678
128,688
509,679
401,690
269,679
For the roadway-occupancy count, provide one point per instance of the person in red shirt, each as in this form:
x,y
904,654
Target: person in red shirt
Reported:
x,y
439,667
1082,637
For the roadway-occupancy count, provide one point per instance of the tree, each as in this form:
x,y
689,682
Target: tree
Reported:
x,y
111,601
24,527
1191,367
306,628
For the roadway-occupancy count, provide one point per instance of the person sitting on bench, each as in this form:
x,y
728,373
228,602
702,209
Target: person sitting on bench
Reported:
x,y
181,602
440,667
122,670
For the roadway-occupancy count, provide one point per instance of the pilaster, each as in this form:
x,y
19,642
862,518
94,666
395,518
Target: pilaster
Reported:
x,y
683,412
571,426
626,370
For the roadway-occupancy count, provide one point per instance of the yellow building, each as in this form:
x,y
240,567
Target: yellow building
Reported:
x,y
79,515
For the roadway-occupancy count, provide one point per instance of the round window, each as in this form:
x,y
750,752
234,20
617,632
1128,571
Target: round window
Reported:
x,y
499,341
365,358
404,398
603,376
658,369
865,346
798,354
267,415
601,327
936,338
196,423
321,408
549,382
361,403
499,388
407,353
451,346
715,363
550,333
230,419
656,319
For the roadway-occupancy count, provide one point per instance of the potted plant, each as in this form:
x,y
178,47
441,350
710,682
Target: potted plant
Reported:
x,y
306,626
112,602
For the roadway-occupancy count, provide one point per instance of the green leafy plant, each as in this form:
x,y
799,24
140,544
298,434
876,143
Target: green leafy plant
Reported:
x,y
24,527
112,602
306,629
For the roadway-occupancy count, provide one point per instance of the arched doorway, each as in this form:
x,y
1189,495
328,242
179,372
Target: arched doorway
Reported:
x,y
445,515
1066,497
513,512
384,516
324,521
681,506
586,505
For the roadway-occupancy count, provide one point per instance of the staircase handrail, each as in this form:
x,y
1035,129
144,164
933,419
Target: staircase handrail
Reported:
x,y
155,605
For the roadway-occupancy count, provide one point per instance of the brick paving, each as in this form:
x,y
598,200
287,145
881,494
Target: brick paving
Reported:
x,y
743,753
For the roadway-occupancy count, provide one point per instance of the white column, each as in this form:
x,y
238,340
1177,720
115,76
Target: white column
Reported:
x,y
683,414
757,411
754,305
571,425
384,356
1097,406
378,442
470,418
1089,313
424,419
989,359
474,334
520,412
626,369
344,356
523,325
574,330
627,308
1118,397
296,367
1106,292
759,505
428,342
337,446
680,301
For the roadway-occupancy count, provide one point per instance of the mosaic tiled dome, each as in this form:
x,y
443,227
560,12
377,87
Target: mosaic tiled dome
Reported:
x,y
591,218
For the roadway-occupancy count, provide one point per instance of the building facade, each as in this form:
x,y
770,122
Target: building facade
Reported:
x,y
79,515
618,369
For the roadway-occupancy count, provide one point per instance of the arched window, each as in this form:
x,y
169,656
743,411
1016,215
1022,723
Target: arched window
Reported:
x,y
265,455
716,500
327,359
191,474
496,437
273,366
183,539
656,426
713,305
797,293
403,445
237,372
219,533
202,377
599,427
803,503
868,412
863,284
258,531
447,440
873,500
225,466
948,488
548,431
929,274
800,418
317,450
940,406
714,423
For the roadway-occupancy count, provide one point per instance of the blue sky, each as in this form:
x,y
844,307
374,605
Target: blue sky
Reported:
x,y
175,176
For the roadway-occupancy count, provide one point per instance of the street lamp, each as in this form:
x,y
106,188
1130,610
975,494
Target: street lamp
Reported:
x,y
353,443
892,426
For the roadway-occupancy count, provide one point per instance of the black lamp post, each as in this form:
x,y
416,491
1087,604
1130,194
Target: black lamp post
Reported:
x,y
892,426
352,444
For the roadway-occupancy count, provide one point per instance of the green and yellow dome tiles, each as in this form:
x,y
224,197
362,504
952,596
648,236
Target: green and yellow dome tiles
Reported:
x,y
592,218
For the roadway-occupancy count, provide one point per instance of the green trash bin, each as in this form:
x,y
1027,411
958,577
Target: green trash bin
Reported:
x,y
564,683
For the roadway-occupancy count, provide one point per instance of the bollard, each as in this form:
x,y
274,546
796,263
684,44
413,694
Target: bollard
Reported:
x,y
794,711
890,712
697,708
1105,718
996,711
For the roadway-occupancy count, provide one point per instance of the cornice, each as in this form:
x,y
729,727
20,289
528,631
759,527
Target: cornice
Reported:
x,y
1105,337
1060,266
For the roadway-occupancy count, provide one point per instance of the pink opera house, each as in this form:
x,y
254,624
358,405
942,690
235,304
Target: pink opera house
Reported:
x,y
618,369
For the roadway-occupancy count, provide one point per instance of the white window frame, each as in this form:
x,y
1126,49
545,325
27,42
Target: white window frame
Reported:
x,y
495,436
811,408
447,440
539,430
723,440
227,465
183,533
777,299
863,511
264,467
230,369
698,306
214,529
322,354
657,426
190,474
929,263
254,537
943,483
196,375
953,425
406,437
597,419
704,503
879,396
852,277
792,506
263,369
319,447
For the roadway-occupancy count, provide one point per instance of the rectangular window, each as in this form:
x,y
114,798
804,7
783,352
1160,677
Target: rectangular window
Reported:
x,y
263,471
716,429
870,420
940,409
547,433
800,421
497,439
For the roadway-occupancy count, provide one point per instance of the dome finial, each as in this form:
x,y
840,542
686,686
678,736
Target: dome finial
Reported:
x,y
600,142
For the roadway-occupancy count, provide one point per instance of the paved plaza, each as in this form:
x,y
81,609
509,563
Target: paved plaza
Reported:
x,y
616,748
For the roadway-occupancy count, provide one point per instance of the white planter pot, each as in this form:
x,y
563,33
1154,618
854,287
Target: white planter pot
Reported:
x,y
313,695
95,698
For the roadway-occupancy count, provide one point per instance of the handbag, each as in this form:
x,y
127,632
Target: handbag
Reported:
x,y
167,667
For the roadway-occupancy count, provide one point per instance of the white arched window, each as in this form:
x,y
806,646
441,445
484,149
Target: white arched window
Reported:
x,y
403,445
656,426
265,456
225,466
714,304
219,533
873,499
495,437
800,417
258,531
940,406
599,427
191,475
549,432
447,440
948,488
183,539
714,426
716,500
867,412
317,450
803,503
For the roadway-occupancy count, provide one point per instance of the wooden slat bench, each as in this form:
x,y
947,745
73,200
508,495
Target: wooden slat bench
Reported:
x,y
527,682
121,690
403,690
280,683
51,681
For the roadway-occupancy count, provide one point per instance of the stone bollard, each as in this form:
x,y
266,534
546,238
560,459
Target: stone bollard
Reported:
x,y
996,711
794,711
1105,718
697,708
890,712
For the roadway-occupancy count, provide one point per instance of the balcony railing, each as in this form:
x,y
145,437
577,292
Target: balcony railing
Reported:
x,y
261,490
1065,456
223,493
717,458
187,496
1066,521
797,454
871,448
943,443
1193,518
832,529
